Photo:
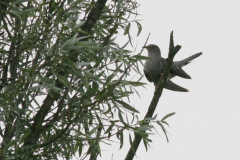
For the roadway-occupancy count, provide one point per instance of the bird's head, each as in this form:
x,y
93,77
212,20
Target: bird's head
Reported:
x,y
153,49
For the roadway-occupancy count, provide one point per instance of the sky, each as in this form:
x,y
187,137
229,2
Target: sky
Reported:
x,y
206,125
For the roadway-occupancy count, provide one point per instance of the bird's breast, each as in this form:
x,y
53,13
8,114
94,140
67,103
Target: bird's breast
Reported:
x,y
153,68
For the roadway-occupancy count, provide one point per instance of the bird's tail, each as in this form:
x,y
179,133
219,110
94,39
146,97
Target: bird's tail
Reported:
x,y
174,87
188,60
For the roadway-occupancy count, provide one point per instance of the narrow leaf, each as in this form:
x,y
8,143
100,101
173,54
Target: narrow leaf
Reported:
x,y
127,29
168,115
127,106
139,28
121,138
90,74
163,129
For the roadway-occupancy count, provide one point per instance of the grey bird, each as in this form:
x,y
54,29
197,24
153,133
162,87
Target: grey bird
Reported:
x,y
154,67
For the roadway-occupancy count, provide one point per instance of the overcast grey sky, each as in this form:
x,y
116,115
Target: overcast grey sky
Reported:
x,y
206,124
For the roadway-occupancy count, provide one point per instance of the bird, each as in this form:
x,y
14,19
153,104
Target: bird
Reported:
x,y
154,67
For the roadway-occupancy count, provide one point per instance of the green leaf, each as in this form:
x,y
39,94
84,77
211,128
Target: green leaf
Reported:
x,y
64,80
34,88
77,26
119,4
110,127
47,80
84,79
68,48
127,28
53,88
109,78
84,63
168,115
132,83
24,136
79,74
120,116
93,131
73,40
26,100
139,28
165,122
144,128
20,1
28,11
151,118
91,75
121,138
127,106
80,147
163,129
145,142
124,93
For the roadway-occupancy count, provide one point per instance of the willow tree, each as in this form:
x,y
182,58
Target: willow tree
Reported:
x,y
65,82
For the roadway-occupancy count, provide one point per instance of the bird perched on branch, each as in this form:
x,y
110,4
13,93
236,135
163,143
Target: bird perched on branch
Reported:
x,y
154,67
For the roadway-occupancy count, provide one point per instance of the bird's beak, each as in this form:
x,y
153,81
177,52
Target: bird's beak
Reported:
x,y
145,47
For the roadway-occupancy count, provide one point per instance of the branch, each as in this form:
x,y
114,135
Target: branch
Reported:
x,y
93,17
157,94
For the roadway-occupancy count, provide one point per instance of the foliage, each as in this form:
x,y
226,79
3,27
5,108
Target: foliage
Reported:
x,y
64,80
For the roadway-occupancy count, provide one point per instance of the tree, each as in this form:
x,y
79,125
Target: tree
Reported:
x,y
64,80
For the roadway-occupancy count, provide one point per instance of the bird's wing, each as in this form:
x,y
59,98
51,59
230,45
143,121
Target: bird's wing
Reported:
x,y
147,76
176,70
174,87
